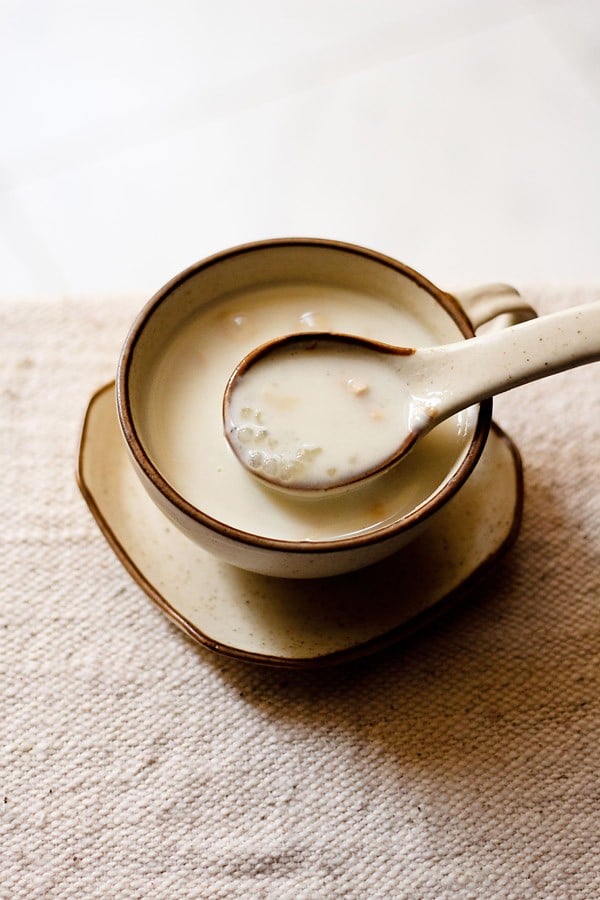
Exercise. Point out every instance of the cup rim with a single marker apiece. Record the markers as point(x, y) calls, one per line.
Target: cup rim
point(336, 545)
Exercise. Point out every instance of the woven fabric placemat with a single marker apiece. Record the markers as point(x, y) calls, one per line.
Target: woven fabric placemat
point(135, 764)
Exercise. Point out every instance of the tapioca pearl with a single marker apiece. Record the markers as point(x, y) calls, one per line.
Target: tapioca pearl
point(314, 321)
point(357, 387)
point(238, 326)
point(271, 466)
point(256, 459)
point(244, 434)
point(246, 412)
point(308, 452)
point(290, 470)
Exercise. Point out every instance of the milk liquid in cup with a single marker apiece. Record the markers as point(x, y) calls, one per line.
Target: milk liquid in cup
point(181, 415)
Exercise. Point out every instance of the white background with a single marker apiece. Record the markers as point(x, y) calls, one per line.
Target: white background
point(137, 136)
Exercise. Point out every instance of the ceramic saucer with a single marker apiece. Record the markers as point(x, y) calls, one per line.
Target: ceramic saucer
point(298, 623)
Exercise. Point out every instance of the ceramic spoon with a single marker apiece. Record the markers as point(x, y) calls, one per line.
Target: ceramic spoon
point(318, 412)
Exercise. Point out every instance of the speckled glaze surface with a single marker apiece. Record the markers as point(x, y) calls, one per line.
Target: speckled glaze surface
point(298, 623)
point(323, 262)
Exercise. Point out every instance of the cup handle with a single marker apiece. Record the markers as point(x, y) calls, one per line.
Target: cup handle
point(500, 305)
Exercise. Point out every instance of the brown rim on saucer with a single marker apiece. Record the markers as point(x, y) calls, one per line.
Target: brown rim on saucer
point(453, 599)
point(183, 506)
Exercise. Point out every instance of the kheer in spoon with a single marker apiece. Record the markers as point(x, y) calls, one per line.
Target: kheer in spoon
point(323, 412)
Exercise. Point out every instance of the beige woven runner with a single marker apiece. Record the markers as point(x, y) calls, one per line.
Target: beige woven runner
point(133, 764)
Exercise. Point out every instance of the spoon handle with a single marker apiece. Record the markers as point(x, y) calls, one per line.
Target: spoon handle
point(490, 364)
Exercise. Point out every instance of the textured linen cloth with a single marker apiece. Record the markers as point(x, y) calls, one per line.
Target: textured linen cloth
point(135, 764)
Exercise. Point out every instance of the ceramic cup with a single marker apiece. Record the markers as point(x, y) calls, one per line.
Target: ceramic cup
point(186, 341)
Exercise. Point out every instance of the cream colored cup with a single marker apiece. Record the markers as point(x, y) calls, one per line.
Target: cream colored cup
point(273, 265)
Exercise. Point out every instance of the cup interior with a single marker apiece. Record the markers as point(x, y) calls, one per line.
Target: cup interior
point(187, 340)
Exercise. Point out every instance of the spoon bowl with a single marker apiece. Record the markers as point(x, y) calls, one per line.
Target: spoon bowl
point(323, 412)
point(278, 426)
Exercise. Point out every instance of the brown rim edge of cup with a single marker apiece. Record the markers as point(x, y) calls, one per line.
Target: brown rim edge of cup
point(449, 303)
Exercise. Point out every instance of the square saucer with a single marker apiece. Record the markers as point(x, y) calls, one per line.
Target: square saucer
point(298, 623)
